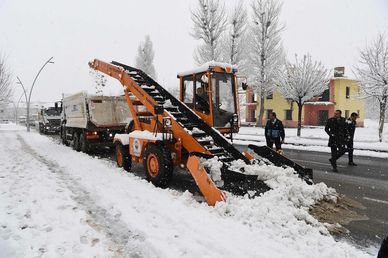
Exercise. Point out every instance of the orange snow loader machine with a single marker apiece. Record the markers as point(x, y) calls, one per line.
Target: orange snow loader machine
point(166, 131)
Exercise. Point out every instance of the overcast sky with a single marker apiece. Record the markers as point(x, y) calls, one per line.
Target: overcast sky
point(75, 32)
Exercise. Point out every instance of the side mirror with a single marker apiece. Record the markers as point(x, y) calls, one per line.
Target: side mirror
point(56, 106)
point(244, 86)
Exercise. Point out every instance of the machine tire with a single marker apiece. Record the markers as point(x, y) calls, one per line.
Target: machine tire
point(158, 165)
point(123, 159)
point(83, 143)
point(76, 146)
point(40, 129)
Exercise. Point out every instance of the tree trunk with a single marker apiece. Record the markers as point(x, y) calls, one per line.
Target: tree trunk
point(383, 107)
point(259, 121)
point(300, 106)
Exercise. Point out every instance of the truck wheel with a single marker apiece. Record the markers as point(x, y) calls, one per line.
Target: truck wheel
point(76, 142)
point(63, 136)
point(123, 159)
point(83, 143)
point(158, 165)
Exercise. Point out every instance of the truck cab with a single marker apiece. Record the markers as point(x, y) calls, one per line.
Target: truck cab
point(49, 119)
point(211, 91)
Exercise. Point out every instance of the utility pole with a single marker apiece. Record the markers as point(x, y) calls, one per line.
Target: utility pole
point(49, 61)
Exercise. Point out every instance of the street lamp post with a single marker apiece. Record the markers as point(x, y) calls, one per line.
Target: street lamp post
point(49, 61)
point(16, 107)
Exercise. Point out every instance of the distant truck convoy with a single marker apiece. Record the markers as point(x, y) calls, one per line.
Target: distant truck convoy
point(89, 122)
point(49, 119)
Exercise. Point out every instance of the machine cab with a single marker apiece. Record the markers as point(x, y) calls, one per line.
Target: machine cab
point(211, 91)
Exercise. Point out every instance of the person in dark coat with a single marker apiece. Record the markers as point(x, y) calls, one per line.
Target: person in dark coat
point(336, 129)
point(351, 124)
point(274, 132)
point(383, 252)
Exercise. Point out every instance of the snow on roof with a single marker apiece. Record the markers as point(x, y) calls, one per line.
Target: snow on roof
point(207, 66)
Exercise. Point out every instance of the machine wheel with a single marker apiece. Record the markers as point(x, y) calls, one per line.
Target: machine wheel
point(40, 129)
point(158, 165)
point(76, 142)
point(123, 159)
point(63, 136)
point(83, 143)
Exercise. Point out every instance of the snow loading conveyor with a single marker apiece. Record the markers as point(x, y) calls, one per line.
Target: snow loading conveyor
point(167, 132)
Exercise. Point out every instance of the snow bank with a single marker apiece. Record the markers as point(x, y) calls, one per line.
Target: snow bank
point(138, 219)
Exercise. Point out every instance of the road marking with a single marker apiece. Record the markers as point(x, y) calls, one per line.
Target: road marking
point(315, 162)
point(374, 200)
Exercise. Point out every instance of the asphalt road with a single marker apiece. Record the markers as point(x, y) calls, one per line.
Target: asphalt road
point(366, 183)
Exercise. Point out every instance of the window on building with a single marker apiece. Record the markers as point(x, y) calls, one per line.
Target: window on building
point(270, 96)
point(288, 114)
point(347, 92)
point(325, 95)
point(269, 111)
point(347, 113)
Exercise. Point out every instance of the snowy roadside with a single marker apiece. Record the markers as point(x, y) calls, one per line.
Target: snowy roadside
point(56, 202)
point(315, 139)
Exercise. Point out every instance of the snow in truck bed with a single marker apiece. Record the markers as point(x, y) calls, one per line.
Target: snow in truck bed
point(55, 202)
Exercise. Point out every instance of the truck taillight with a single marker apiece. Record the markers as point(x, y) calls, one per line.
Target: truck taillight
point(92, 135)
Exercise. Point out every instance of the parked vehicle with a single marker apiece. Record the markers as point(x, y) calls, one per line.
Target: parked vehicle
point(89, 121)
point(49, 119)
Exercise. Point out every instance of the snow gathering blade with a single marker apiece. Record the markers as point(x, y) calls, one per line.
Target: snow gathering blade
point(280, 160)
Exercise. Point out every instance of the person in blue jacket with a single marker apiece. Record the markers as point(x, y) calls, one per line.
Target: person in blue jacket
point(274, 132)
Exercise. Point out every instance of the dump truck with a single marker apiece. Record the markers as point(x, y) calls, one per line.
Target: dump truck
point(91, 122)
point(188, 131)
point(49, 119)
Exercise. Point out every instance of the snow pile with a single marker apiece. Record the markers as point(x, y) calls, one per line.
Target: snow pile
point(214, 166)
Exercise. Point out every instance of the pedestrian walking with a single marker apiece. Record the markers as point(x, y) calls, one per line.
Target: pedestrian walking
point(351, 124)
point(336, 129)
point(274, 132)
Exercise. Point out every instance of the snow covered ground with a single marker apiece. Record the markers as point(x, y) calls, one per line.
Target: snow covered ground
point(366, 141)
point(55, 202)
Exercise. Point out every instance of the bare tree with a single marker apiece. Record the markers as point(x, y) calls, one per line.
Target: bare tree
point(373, 75)
point(145, 57)
point(234, 39)
point(5, 81)
point(209, 23)
point(301, 81)
point(266, 51)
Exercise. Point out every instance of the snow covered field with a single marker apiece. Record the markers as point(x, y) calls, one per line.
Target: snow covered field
point(366, 142)
point(55, 202)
